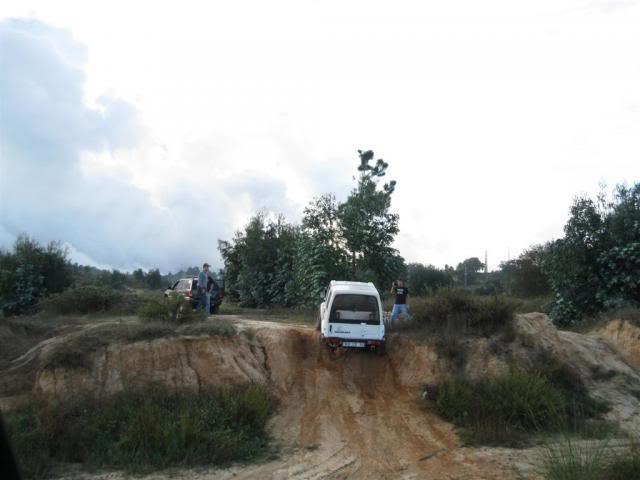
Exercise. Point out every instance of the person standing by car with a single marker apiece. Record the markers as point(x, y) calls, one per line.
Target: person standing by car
point(204, 300)
point(400, 306)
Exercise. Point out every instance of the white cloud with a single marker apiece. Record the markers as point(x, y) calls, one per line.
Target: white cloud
point(492, 115)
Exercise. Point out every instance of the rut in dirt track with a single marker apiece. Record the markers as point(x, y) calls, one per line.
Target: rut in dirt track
point(346, 415)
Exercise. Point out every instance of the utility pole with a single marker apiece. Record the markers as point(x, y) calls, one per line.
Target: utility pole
point(486, 264)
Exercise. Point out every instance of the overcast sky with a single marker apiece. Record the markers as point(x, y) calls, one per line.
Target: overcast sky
point(140, 133)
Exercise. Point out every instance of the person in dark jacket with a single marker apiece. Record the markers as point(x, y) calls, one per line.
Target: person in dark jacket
point(400, 305)
point(204, 297)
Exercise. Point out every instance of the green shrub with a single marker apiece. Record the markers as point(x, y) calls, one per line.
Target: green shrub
point(500, 410)
point(573, 459)
point(625, 464)
point(535, 304)
point(461, 312)
point(154, 310)
point(216, 328)
point(90, 299)
point(150, 428)
point(30, 272)
point(174, 309)
point(595, 266)
point(505, 409)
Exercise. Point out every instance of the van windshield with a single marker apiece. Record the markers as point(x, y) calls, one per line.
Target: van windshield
point(351, 308)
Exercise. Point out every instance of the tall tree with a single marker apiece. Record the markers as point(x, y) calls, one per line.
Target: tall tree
point(596, 265)
point(366, 224)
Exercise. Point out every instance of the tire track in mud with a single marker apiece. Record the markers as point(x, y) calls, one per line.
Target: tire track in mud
point(347, 415)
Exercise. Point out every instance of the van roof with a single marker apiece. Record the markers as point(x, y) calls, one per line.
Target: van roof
point(340, 285)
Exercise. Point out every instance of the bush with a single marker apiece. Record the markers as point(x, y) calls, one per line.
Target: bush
point(596, 265)
point(140, 430)
point(30, 272)
point(505, 409)
point(501, 410)
point(90, 299)
point(174, 309)
point(625, 464)
point(575, 460)
point(461, 312)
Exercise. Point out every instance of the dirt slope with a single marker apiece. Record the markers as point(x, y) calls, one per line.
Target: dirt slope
point(349, 416)
point(624, 336)
point(354, 414)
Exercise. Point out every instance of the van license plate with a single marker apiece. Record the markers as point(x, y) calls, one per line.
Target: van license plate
point(353, 344)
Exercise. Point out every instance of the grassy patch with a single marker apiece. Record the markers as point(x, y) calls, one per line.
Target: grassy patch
point(212, 328)
point(530, 305)
point(75, 350)
point(625, 463)
point(572, 459)
point(508, 409)
point(307, 316)
point(91, 299)
point(174, 309)
point(142, 430)
point(461, 312)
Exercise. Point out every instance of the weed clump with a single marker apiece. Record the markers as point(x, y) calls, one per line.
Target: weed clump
point(140, 430)
point(90, 299)
point(507, 409)
point(173, 310)
point(462, 312)
point(572, 459)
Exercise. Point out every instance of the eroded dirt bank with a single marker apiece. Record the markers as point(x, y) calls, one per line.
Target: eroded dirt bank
point(354, 414)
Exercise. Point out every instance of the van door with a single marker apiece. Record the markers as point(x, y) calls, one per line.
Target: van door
point(355, 317)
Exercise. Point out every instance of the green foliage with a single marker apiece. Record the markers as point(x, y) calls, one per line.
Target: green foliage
point(503, 410)
point(424, 279)
point(276, 263)
point(154, 279)
point(495, 410)
point(461, 312)
point(140, 430)
point(524, 276)
point(467, 271)
point(573, 459)
point(596, 266)
point(366, 225)
point(30, 272)
point(259, 263)
point(90, 299)
point(625, 463)
point(174, 309)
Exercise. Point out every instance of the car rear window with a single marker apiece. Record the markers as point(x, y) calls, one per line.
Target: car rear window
point(354, 308)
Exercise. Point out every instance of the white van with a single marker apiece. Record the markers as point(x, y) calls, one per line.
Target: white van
point(351, 316)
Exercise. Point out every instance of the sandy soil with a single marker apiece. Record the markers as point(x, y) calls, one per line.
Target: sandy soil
point(355, 414)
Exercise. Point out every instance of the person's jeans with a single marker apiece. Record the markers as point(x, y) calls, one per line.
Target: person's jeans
point(399, 309)
point(205, 303)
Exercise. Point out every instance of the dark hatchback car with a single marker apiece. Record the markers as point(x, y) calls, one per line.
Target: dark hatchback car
point(188, 288)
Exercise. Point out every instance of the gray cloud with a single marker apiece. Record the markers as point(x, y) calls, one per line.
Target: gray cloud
point(45, 126)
